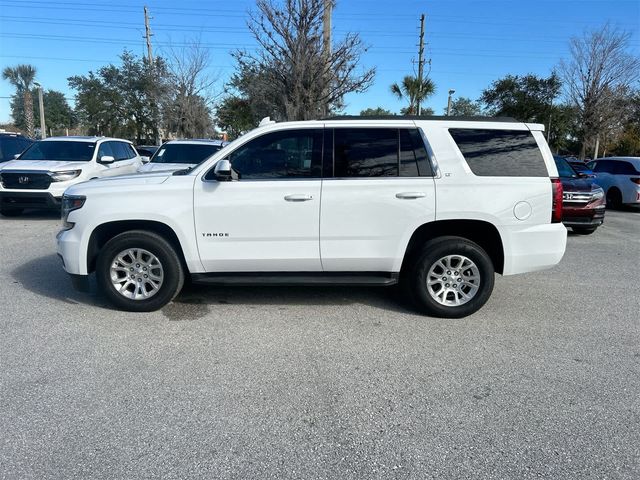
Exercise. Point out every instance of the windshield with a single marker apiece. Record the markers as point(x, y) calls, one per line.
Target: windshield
point(60, 151)
point(564, 169)
point(184, 153)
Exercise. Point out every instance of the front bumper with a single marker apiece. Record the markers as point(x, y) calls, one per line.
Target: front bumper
point(583, 217)
point(40, 200)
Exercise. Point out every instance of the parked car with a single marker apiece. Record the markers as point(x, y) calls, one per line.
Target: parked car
point(580, 167)
point(619, 177)
point(146, 151)
point(181, 154)
point(437, 205)
point(41, 174)
point(12, 144)
point(583, 202)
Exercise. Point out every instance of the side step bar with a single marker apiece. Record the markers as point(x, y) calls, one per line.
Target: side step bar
point(297, 278)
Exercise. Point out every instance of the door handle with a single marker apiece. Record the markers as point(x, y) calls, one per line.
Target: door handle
point(298, 197)
point(410, 195)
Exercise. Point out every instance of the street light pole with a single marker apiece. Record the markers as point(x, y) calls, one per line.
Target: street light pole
point(451, 92)
point(43, 127)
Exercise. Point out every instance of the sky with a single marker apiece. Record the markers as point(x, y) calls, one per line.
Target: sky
point(468, 44)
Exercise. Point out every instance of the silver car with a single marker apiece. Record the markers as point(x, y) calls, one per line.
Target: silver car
point(619, 177)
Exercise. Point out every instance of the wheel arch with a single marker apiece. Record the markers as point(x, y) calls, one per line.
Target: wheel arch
point(106, 231)
point(484, 233)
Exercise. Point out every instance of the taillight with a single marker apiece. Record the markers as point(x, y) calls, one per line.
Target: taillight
point(635, 180)
point(556, 205)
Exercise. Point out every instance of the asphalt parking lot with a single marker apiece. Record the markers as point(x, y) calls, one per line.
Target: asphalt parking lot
point(543, 382)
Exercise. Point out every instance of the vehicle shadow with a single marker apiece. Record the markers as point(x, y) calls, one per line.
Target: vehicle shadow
point(45, 276)
point(36, 215)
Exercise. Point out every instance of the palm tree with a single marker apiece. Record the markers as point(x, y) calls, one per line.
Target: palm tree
point(415, 91)
point(22, 77)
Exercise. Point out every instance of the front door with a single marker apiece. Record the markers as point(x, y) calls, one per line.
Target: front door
point(268, 219)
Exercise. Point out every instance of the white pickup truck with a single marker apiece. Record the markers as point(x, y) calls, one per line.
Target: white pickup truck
point(438, 205)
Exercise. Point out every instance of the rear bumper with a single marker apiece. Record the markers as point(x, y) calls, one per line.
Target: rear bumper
point(40, 200)
point(533, 248)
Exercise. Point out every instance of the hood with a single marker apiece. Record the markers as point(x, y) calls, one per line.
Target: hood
point(165, 167)
point(42, 165)
point(577, 184)
point(118, 183)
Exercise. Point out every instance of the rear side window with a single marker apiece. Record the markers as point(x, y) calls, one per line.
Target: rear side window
point(500, 153)
point(379, 152)
point(625, 168)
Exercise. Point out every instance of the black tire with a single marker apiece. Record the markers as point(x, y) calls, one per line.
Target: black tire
point(584, 230)
point(164, 252)
point(414, 279)
point(11, 212)
point(614, 198)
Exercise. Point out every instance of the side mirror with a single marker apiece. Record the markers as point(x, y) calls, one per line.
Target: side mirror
point(107, 159)
point(145, 159)
point(16, 156)
point(222, 171)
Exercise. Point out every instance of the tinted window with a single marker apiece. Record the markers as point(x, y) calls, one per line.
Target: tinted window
point(60, 150)
point(284, 154)
point(564, 169)
point(9, 146)
point(500, 153)
point(414, 160)
point(625, 168)
point(184, 153)
point(366, 152)
point(606, 167)
point(106, 150)
point(120, 150)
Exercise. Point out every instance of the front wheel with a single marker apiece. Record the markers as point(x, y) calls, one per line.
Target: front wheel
point(450, 277)
point(139, 271)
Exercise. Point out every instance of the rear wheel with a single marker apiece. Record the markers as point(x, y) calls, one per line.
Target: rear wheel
point(139, 271)
point(614, 198)
point(11, 212)
point(450, 277)
point(584, 230)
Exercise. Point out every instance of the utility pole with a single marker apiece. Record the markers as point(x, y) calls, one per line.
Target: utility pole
point(420, 64)
point(326, 50)
point(43, 128)
point(148, 35)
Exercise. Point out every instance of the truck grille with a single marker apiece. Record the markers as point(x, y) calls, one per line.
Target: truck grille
point(25, 180)
point(576, 199)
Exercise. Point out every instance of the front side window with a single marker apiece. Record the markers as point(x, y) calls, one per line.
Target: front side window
point(500, 153)
point(60, 150)
point(604, 167)
point(283, 154)
point(564, 168)
point(121, 150)
point(106, 150)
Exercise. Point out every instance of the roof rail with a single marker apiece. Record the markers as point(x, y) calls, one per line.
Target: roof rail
point(423, 117)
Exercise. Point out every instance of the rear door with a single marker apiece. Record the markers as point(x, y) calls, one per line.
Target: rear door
point(378, 188)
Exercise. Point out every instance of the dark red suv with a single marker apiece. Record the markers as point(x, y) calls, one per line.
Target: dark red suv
point(583, 203)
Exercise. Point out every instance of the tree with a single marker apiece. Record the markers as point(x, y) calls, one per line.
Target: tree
point(413, 90)
point(235, 116)
point(526, 98)
point(123, 100)
point(599, 70)
point(57, 112)
point(188, 111)
point(464, 107)
point(378, 111)
point(22, 77)
point(291, 67)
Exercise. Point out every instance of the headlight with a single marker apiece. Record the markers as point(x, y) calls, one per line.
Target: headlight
point(597, 194)
point(69, 204)
point(64, 176)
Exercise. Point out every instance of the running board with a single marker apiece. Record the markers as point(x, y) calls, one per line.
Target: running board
point(297, 278)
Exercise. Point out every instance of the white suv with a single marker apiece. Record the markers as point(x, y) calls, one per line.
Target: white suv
point(438, 205)
point(180, 154)
point(40, 175)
